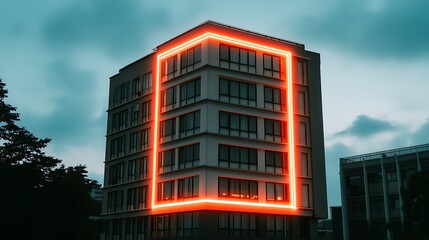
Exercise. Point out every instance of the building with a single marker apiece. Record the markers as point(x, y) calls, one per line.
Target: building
point(371, 190)
point(217, 133)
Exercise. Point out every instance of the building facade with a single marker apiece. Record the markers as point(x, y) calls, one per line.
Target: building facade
point(216, 134)
point(371, 190)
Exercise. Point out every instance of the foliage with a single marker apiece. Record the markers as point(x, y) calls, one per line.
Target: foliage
point(40, 197)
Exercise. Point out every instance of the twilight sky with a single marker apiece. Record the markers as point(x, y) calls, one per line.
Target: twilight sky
point(56, 58)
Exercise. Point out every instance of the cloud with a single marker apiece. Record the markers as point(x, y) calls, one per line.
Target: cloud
point(118, 27)
point(378, 28)
point(365, 126)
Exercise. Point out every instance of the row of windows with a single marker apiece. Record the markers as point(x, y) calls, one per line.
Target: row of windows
point(189, 124)
point(139, 113)
point(187, 188)
point(136, 169)
point(139, 87)
point(138, 140)
point(190, 92)
point(189, 60)
point(136, 198)
point(176, 225)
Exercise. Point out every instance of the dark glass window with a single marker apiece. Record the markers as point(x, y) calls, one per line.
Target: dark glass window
point(168, 99)
point(190, 124)
point(166, 190)
point(275, 99)
point(120, 120)
point(168, 130)
point(277, 192)
point(238, 188)
point(162, 226)
point(237, 58)
point(136, 198)
point(238, 157)
point(188, 224)
point(237, 92)
point(116, 173)
point(190, 92)
point(144, 135)
point(275, 130)
point(117, 147)
point(136, 88)
point(166, 161)
point(190, 59)
point(237, 125)
point(235, 224)
point(147, 82)
point(145, 111)
point(189, 156)
point(275, 162)
point(188, 187)
point(169, 67)
point(273, 67)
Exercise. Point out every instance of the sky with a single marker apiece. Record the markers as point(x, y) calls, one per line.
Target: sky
point(56, 58)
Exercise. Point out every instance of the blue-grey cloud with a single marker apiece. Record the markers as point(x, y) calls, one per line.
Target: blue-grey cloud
point(379, 28)
point(421, 136)
point(365, 126)
point(119, 27)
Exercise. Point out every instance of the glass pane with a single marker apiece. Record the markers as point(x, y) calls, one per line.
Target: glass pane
point(267, 62)
point(243, 56)
point(224, 53)
point(234, 121)
point(252, 58)
point(223, 87)
point(234, 55)
point(244, 123)
point(243, 90)
point(252, 92)
point(234, 91)
point(224, 120)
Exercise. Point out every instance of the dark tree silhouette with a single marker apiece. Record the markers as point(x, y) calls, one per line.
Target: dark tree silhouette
point(39, 197)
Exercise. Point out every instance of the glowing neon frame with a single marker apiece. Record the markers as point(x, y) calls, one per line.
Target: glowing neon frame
point(290, 121)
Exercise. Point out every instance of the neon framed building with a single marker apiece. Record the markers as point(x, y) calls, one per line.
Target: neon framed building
point(217, 133)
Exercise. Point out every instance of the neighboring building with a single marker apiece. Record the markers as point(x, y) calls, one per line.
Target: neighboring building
point(337, 223)
point(217, 134)
point(371, 190)
point(97, 194)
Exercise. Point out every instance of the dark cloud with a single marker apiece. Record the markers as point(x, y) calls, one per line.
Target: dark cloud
point(116, 26)
point(365, 126)
point(392, 29)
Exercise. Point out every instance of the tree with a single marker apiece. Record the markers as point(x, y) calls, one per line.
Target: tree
point(416, 206)
point(40, 197)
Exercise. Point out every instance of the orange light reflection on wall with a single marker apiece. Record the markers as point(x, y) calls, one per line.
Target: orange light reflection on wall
point(290, 120)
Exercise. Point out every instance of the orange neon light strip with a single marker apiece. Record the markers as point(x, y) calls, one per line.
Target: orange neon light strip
point(290, 120)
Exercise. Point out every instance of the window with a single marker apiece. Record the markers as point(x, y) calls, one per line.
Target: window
point(237, 58)
point(302, 72)
point(169, 68)
point(135, 114)
point(147, 83)
point(143, 168)
point(136, 88)
point(190, 124)
point(277, 192)
point(168, 130)
point(305, 165)
point(133, 142)
point(238, 188)
point(166, 190)
point(145, 111)
point(303, 140)
point(190, 58)
point(144, 139)
point(166, 161)
point(132, 170)
point(302, 103)
point(162, 226)
point(117, 147)
point(114, 229)
point(168, 99)
point(135, 228)
point(189, 156)
point(116, 173)
point(237, 92)
point(275, 162)
point(190, 92)
point(305, 195)
point(272, 66)
point(124, 93)
point(237, 125)
point(115, 201)
point(188, 187)
point(136, 198)
point(238, 157)
point(279, 226)
point(119, 120)
point(188, 224)
point(235, 224)
point(275, 99)
point(355, 186)
point(275, 130)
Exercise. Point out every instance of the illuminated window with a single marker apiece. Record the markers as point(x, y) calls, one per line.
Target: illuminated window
point(237, 92)
point(119, 120)
point(116, 173)
point(136, 88)
point(275, 162)
point(275, 130)
point(136, 198)
point(237, 58)
point(188, 187)
point(189, 124)
point(166, 190)
point(115, 201)
point(279, 226)
point(132, 170)
point(133, 142)
point(237, 125)
point(162, 226)
point(189, 156)
point(145, 111)
point(190, 92)
point(272, 66)
point(117, 147)
point(238, 157)
point(135, 228)
point(238, 188)
point(188, 224)
point(135, 114)
point(235, 224)
point(143, 168)
point(302, 72)
point(277, 192)
point(274, 99)
point(168, 99)
point(147, 83)
point(169, 68)
point(144, 135)
point(168, 130)
point(190, 58)
point(166, 161)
